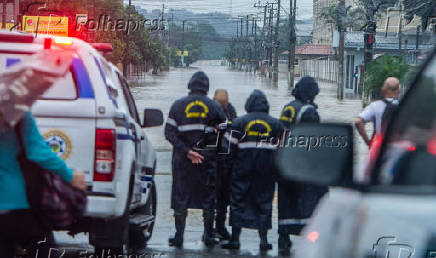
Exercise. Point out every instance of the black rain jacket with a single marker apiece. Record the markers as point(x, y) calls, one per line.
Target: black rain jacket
point(254, 141)
point(189, 118)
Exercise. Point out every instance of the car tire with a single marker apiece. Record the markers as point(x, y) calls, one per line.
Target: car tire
point(122, 249)
point(138, 236)
point(151, 209)
point(120, 225)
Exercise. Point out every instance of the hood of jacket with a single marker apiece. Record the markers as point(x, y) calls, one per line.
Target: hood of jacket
point(257, 102)
point(306, 89)
point(199, 83)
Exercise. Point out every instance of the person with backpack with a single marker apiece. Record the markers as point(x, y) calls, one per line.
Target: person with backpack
point(19, 224)
point(379, 112)
point(296, 201)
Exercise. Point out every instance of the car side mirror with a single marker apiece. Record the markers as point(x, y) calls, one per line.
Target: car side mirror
point(319, 154)
point(152, 118)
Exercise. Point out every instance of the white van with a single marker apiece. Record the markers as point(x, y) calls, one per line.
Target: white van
point(89, 118)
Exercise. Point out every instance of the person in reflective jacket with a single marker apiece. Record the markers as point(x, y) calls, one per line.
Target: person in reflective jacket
point(254, 140)
point(193, 166)
point(296, 201)
point(224, 169)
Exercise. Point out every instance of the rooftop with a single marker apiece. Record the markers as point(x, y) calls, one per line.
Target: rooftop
point(315, 49)
point(355, 40)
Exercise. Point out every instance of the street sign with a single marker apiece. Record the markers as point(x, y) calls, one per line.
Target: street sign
point(52, 25)
point(185, 53)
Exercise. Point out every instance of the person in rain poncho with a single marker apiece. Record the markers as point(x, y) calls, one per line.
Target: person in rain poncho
point(254, 140)
point(194, 166)
point(296, 201)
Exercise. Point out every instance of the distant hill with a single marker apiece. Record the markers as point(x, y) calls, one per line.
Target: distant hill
point(225, 27)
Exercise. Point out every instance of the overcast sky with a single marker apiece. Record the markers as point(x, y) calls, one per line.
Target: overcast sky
point(239, 7)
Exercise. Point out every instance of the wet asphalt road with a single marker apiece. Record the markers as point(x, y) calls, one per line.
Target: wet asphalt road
point(161, 91)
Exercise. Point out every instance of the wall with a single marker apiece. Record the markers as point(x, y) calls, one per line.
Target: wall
point(320, 69)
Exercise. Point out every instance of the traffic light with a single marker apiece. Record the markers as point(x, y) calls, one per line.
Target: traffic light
point(369, 40)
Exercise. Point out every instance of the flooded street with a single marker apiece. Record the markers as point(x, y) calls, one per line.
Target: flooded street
point(160, 92)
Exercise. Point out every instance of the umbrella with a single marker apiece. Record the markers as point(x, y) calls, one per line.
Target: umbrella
point(23, 83)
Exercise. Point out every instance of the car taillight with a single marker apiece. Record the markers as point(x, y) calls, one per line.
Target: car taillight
point(104, 165)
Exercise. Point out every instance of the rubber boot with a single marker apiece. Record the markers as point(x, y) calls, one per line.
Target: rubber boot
point(234, 240)
point(220, 228)
point(285, 245)
point(264, 245)
point(208, 236)
point(180, 222)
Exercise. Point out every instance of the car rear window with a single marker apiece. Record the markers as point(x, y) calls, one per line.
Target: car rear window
point(64, 89)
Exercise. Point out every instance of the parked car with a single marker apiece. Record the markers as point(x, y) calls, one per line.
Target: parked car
point(391, 216)
point(89, 118)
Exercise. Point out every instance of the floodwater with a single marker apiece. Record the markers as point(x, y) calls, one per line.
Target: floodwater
point(160, 91)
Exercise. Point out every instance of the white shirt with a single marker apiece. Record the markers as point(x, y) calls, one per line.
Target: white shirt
point(374, 113)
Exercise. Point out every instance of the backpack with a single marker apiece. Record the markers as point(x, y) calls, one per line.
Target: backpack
point(56, 204)
point(390, 109)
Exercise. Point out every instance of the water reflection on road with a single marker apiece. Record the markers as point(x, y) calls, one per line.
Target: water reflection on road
point(162, 90)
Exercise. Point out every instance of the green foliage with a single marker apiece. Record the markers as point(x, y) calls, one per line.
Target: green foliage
point(191, 40)
point(382, 68)
point(142, 48)
point(349, 18)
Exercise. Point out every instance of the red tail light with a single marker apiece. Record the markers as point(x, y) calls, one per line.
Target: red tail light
point(104, 165)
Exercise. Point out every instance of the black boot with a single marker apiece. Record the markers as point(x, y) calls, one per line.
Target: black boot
point(234, 240)
point(220, 228)
point(264, 245)
point(285, 245)
point(180, 221)
point(208, 236)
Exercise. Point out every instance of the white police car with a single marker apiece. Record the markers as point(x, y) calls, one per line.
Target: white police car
point(89, 118)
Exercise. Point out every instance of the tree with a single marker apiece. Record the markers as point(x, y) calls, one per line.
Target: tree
point(422, 8)
point(342, 18)
point(383, 67)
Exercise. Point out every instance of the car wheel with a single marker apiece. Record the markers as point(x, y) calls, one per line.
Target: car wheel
point(151, 208)
point(139, 236)
point(122, 249)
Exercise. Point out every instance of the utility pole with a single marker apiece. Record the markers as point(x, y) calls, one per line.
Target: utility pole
point(292, 39)
point(255, 48)
point(270, 43)
point(341, 56)
point(263, 32)
point(162, 31)
point(369, 40)
point(276, 45)
point(126, 60)
point(247, 46)
point(400, 27)
point(182, 56)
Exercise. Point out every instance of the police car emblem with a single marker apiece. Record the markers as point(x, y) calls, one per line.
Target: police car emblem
point(59, 142)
